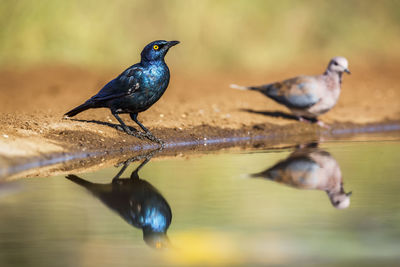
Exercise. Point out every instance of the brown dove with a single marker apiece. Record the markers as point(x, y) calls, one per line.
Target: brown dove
point(307, 96)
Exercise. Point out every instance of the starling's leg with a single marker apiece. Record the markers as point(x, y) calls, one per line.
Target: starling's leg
point(147, 158)
point(134, 118)
point(123, 125)
point(148, 134)
point(115, 179)
point(126, 128)
point(135, 174)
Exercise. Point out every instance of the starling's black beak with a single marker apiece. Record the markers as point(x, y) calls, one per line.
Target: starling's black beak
point(347, 71)
point(172, 43)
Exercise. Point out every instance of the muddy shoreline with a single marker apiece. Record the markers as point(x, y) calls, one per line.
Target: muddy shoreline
point(199, 112)
point(61, 163)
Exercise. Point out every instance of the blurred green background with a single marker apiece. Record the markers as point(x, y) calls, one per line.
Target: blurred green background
point(214, 34)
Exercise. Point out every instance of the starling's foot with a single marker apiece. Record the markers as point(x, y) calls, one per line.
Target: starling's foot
point(152, 138)
point(161, 142)
point(125, 130)
point(137, 135)
point(133, 159)
point(147, 156)
point(130, 132)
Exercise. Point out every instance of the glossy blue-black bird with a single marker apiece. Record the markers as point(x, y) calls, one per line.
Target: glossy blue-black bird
point(138, 202)
point(136, 89)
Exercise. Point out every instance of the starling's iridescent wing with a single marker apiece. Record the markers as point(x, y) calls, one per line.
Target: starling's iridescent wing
point(125, 84)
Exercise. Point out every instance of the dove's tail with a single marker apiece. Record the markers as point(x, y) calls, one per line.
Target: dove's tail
point(268, 174)
point(251, 175)
point(239, 87)
point(254, 175)
point(262, 88)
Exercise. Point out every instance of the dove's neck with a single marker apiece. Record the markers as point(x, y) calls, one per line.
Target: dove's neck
point(337, 190)
point(334, 76)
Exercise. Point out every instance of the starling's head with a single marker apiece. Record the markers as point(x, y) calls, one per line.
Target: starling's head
point(339, 65)
point(157, 50)
point(157, 240)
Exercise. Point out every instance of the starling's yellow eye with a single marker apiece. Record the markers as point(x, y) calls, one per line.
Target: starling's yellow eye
point(155, 47)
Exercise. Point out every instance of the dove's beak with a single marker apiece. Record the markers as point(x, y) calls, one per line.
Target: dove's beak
point(347, 71)
point(349, 194)
point(172, 43)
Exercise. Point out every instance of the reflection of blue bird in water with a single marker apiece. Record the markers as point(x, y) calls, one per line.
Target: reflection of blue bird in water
point(137, 202)
point(310, 168)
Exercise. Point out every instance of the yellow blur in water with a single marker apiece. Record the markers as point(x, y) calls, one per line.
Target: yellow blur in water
point(212, 248)
point(205, 248)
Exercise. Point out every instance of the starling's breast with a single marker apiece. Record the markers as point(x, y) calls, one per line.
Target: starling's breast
point(153, 83)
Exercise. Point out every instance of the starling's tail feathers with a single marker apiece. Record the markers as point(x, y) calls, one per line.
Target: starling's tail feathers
point(78, 109)
point(79, 180)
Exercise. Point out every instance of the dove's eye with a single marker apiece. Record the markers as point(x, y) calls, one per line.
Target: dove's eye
point(335, 63)
point(155, 47)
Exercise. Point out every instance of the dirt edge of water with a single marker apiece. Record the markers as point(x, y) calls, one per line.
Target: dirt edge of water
point(80, 156)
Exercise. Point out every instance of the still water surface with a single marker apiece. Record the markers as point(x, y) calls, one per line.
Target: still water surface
point(336, 203)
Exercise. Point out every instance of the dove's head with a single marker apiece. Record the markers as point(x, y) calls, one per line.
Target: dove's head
point(338, 65)
point(340, 200)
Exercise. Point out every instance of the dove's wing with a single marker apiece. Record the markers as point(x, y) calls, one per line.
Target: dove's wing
point(300, 92)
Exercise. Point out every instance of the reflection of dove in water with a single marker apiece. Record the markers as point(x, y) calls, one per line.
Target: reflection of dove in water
point(137, 202)
point(307, 96)
point(310, 168)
